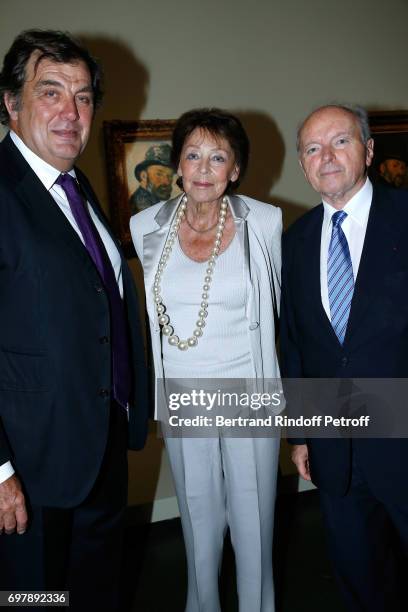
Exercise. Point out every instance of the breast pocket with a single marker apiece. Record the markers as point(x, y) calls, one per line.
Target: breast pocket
point(397, 278)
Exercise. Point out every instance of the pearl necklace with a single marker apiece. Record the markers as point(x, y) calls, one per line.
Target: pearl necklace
point(163, 318)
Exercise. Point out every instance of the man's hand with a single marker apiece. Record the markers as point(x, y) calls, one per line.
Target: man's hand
point(13, 513)
point(300, 458)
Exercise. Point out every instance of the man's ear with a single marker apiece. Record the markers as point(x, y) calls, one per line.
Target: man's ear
point(369, 151)
point(11, 103)
point(143, 178)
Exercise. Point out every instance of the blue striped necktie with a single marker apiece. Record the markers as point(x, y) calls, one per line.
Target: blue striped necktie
point(340, 279)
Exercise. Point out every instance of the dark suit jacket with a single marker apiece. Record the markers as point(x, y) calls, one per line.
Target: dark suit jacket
point(55, 363)
point(376, 342)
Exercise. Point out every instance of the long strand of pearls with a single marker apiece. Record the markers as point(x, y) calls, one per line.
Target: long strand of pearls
point(163, 317)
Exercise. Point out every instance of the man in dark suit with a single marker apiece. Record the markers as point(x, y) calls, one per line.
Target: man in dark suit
point(345, 315)
point(72, 372)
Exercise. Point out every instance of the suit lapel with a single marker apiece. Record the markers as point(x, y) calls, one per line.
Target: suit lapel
point(311, 266)
point(153, 244)
point(35, 197)
point(91, 198)
point(48, 215)
point(240, 213)
point(154, 241)
point(382, 235)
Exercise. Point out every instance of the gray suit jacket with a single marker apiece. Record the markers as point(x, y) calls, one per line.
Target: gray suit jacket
point(259, 228)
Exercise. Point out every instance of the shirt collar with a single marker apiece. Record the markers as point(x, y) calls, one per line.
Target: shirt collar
point(358, 207)
point(45, 172)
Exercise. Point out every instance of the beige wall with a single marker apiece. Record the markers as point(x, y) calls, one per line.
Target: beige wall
point(270, 61)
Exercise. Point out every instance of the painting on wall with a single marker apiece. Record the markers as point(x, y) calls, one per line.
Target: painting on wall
point(139, 170)
point(390, 132)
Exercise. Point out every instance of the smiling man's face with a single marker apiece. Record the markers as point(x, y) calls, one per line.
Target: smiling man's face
point(333, 156)
point(53, 114)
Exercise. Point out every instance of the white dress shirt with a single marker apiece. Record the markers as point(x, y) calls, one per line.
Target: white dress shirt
point(227, 326)
point(48, 175)
point(354, 227)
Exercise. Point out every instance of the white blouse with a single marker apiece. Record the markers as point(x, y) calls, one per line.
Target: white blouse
point(223, 351)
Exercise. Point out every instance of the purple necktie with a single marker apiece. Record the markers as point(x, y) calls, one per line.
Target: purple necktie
point(97, 251)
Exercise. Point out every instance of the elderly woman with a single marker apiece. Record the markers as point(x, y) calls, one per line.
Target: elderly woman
point(211, 264)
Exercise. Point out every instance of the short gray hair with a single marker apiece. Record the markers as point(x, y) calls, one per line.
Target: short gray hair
point(358, 112)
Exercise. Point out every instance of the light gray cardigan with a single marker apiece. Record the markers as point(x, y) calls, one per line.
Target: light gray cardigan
point(259, 229)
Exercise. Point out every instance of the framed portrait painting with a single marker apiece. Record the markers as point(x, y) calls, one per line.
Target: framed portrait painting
point(390, 132)
point(139, 170)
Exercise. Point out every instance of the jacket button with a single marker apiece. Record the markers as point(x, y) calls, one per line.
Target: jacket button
point(98, 287)
point(344, 361)
point(104, 339)
point(254, 325)
point(104, 393)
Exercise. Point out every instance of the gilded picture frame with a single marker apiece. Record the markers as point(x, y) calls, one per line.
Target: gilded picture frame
point(139, 171)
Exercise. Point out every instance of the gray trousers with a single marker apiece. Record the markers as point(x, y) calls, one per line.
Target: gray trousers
point(224, 482)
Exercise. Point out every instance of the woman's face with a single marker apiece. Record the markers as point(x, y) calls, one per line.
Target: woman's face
point(207, 164)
